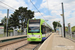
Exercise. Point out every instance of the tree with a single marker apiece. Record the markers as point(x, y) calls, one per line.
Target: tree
point(55, 25)
point(73, 29)
point(22, 14)
point(4, 22)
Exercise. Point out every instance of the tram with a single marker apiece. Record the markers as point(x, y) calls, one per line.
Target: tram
point(37, 30)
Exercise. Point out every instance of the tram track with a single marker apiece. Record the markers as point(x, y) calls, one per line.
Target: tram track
point(25, 45)
point(29, 46)
point(10, 46)
point(11, 42)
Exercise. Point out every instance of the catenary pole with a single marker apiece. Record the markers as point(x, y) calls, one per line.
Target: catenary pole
point(63, 19)
point(7, 21)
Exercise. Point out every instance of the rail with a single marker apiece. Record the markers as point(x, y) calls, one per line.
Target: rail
point(33, 48)
point(11, 42)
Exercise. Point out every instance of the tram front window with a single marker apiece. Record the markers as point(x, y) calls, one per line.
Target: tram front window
point(34, 28)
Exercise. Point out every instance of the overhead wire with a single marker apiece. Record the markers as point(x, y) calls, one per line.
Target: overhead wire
point(48, 6)
point(14, 8)
point(2, 6)
point(37, 9)
point(7, 5)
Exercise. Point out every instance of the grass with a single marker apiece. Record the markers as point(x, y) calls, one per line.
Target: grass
point(1, 35)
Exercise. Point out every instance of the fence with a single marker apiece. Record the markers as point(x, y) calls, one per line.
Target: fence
point(70, 35)
point(14, 33)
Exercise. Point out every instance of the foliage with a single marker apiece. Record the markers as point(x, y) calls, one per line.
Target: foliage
point(66, 29)
point(10, 30)
point(19, 31)
point(52, 30)
point(22, 14)
point(73, 29)
point(4, 22)
point(55, 25)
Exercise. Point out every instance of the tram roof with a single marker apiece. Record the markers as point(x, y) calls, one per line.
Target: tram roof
point(43, 22)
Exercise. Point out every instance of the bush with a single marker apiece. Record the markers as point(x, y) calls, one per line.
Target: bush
point(19, 31)
point(73, 29)
point(10, 31)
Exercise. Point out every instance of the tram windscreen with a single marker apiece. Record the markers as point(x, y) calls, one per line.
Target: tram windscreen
point(34, 26)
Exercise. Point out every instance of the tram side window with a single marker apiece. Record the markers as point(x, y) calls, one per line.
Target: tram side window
point(48, 30)
point(42, 29)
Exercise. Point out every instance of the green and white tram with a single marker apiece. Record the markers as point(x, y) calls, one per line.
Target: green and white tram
point(37, 30)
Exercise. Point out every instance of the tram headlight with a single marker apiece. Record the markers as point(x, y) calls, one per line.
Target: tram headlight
point(28, 36)
point(39, 36)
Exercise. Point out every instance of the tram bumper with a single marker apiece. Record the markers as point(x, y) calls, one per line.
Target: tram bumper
point(34, 39)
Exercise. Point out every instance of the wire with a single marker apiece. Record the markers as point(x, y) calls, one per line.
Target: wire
point(7, 5)
point(3, 6)
point(36, 8)
point(48, 6)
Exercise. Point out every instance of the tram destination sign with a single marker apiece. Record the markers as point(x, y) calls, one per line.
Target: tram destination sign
point(1, 29)
point(34, 21)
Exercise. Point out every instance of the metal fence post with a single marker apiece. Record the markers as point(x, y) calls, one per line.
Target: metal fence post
point(69, 30)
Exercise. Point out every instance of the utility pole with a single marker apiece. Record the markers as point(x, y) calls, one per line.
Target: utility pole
point(63, 19)
point(7, 22)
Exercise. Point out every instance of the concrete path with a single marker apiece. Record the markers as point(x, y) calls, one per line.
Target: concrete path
point(56, 42)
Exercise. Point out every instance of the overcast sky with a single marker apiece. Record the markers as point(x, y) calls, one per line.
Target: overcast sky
point(50, 9)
